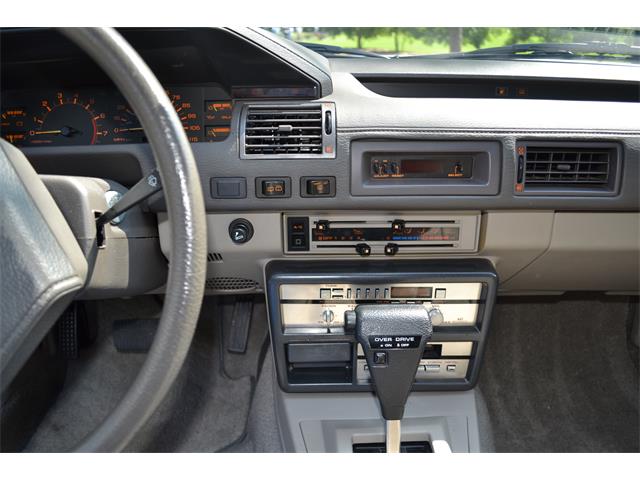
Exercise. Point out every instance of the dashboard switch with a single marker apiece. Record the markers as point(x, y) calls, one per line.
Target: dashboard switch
point(298, 234)
point(318, 187)
point(273, 187)
point(234, 187)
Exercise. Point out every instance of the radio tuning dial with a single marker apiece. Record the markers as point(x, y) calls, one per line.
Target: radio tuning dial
point(436, 316)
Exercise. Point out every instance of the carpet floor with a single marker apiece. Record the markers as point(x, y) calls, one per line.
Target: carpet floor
point(560, 376)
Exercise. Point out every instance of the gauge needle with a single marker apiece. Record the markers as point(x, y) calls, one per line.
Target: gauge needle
point(65, 131)
point(134, 129)
point(48, 132)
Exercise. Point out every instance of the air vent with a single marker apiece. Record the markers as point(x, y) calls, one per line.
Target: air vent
point(231, 284)
point(288, 131)
point(214, 257)
point(567, 168)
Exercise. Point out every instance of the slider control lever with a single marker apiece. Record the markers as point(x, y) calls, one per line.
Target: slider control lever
point(393, 338)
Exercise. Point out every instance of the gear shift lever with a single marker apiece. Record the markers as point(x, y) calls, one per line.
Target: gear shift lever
point(393, 338)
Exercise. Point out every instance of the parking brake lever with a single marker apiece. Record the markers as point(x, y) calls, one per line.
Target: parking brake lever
point(393, 338)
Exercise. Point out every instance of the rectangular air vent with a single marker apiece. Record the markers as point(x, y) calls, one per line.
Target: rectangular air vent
point(288, 131)
point(567, 168)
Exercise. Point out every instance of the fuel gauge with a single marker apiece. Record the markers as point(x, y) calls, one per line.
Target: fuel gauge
point(217, 116)
point(13, 125)
point(217, 112)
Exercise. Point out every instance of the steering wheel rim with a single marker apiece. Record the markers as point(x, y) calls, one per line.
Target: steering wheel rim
point(186, 213)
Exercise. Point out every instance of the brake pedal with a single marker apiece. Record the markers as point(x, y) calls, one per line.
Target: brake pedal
point(134, 335)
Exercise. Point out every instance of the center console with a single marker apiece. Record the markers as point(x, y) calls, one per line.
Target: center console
point(315, 353)
point(325, 402)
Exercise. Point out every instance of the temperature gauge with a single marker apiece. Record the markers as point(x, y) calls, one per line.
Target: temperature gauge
point(216, 134)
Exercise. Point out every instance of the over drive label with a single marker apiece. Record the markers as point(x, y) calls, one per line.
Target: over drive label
point(394, 341)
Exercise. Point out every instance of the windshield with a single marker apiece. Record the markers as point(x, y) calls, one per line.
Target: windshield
point(519, 43)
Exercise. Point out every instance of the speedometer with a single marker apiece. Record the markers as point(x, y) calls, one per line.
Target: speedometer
point(67, 120)
point(188, 115)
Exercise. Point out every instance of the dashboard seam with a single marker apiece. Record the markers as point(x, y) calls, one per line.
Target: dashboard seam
point(487, 131)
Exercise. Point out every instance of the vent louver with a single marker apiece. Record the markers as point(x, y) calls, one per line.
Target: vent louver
point(289, 131)
point(214, 257)
point(231, 283)
point(567, 168)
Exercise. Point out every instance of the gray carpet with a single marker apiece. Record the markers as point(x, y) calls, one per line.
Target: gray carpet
point(560, 376)
point(205, 411)
point(263, 434)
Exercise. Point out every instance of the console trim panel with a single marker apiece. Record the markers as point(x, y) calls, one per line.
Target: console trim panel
point(343, 376)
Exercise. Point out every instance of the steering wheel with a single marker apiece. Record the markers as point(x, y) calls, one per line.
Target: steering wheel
point(42, 265)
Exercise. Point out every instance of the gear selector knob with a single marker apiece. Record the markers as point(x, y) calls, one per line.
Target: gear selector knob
point(398, 333)
point(393, 338)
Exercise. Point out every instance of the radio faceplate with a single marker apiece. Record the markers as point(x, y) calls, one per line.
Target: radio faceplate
point(319, 308)
point(307, 301)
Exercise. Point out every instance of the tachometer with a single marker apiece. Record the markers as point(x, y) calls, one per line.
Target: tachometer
point(67, 120)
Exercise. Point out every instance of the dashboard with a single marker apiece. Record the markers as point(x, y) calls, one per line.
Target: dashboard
point(93, 116)
point(316, 159)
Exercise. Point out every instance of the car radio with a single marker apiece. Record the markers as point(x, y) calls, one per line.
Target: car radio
point(382, 234)
point(313, 349)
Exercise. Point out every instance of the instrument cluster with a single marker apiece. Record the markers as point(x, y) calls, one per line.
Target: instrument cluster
point(101, 116)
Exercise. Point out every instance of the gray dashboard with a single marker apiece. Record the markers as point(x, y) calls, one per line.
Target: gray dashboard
point(364, 115)
point(519, 228)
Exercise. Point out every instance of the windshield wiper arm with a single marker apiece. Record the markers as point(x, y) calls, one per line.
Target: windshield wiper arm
point(335, 51)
